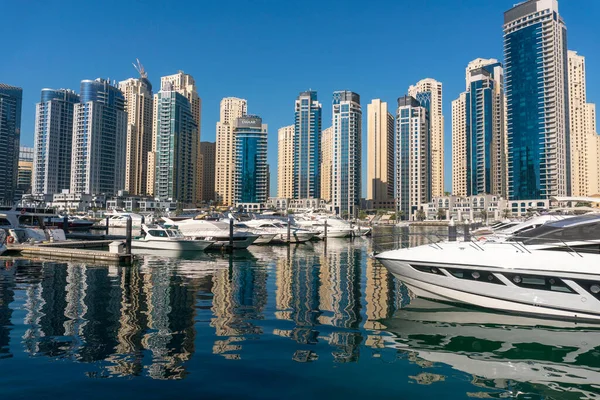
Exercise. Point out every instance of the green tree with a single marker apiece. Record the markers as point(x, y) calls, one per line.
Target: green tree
point(362, 214)
point(483, 214)
point(441, 214)
point(421, 215)
point(506, 213)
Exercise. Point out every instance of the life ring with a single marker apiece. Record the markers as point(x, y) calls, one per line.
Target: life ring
point(23, 211)
point(10, 240)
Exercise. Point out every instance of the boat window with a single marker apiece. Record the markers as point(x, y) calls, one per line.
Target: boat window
point(568, 230)
point(157, 233)
point(590, 286)
point(475, 275)
point(539, 282)
point(4, 222)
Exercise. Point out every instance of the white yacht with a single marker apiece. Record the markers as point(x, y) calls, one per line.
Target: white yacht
point(560, 356)
point(517, 228)
point(215, 231)
point(158, 237)
point(27, 225)
point(336, 227)
point(550, 271)
point(119, 220)
point(279, 230)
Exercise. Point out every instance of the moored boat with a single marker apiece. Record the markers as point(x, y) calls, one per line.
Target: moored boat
point(158, 237)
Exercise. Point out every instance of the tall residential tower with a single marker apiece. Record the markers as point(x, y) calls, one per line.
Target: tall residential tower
point(307, 146)
point(285, 162)
point(380, 152)
point(11, 98)
point(250, 178)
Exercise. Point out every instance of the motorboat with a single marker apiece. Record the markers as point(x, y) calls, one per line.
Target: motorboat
point(514, 228)
point(215, 231)
point(2, 241)
point(550, 271)
point(279, 231)
point(119, 220)
point(74, 222)
point(157, 237)
point(534, 355)
point(336, 227)
point(28, 225)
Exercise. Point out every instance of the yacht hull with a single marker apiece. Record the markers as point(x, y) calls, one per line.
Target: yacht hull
point(295, 237)
point(264, 238)
point(178, 245)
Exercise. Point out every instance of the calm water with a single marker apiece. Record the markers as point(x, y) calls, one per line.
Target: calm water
point(268, 323)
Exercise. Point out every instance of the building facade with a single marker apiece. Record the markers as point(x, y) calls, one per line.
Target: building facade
point(307, 146)
point(231, 109)
point(380, 152)
point(347, 151)
point(11, 98)
point(53, 141)
point(583, 136)
point(139, 107)
point(251, 181)
point(208, 152)
point(25, 172)
point(285, 162)
point(99, 139)
point(428, 92)
point(175, 168)
point(478, 132)
point(535, 53)
point(326, 162)
point(413, 157)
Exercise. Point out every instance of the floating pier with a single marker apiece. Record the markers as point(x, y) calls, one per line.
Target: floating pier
point(50, 250)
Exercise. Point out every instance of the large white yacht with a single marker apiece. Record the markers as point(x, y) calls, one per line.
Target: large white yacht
point(336, 227)
point(278, 229)
point(215, 231)
point(549, 271)
point(167, 238)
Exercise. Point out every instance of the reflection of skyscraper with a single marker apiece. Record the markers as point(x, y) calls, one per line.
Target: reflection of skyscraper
point(7, 294)
point(379, 294)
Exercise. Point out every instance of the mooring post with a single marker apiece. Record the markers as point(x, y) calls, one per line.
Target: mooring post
point(466, 227)
point(289, 228)
point(128, 237)
point(452, 231)
point(230, 233)
point(65, 224)
point(107, 218)
point(142, 222)
point(325, 231)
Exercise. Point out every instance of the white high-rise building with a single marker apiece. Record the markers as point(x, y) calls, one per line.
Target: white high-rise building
point(285, 162)
point(232, 108)
point(583, 137)
point(99, 139)
point(326, 162)
point(138, 104)
point(428, 92)
point(459, 146)
point(535, 56)
point(347, 148)
point(380, 152)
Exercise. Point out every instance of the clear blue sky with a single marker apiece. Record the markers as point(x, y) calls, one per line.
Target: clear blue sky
point(267, 51)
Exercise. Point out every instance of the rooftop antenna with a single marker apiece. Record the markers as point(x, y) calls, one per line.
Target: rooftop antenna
point(140, 68)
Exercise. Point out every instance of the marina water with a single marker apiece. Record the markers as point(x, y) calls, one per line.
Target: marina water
point(321, 320)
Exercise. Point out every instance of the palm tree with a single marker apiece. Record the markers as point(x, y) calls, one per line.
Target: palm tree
point(483, 214)
point(441, 214)
point(506, 213)
point(421, 215)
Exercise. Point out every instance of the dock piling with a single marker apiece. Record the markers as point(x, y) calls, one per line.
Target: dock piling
point(325, 231)
point(128, 237)
point(107, 218)
point(289, 229)
point(231, 233)
point(452, 233)
point(466, 228)
point(65, 224)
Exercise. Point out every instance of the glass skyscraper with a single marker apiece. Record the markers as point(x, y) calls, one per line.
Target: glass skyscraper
point(535, 53)
point(11, 98)
point(307, 146)
point(347, 148)
point(175, 157)
point(99, 139)
point(53, 141)
point(251, 180)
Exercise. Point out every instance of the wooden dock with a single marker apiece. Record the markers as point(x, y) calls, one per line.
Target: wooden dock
point(57, 251)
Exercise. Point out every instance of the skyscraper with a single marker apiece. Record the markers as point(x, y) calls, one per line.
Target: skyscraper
point(413, 156)
point(186, 85)
point(251, 169)
point(208, 152)
point(25, 171)
point(380, 152)
point(99, 139)
point(347, 167)
point(307, 146)
point(175, 132)
point(138, 104)
point(428, 92)
point(285, 162)
point(535, 53)
point(53, 141)
point(11, 98)
point(326, 162)
point(478, 128)
point(583, 136)
point(232, 108)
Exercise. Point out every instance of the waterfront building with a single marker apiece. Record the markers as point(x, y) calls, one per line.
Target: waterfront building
point(285, 162)
point(307, 146)
point(11, 98)
point(250, 179)
point(535, 53)
point(99, 139)
point(380, 152)
point(175, 156)
point(326, 163)
point(347, 148)
point(413, 157)
point(583, 136)
point(231, 109)
point(139, 107)
point(25, 172)
point(428, 92)
point(478, 132)
point(208, 152)
point(53, 141)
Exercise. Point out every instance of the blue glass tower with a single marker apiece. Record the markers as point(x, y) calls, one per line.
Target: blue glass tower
point(307, 146)
point(535, 52)
point(11, 98)
point(250, 160)
point(99, 139)
point(53, 141)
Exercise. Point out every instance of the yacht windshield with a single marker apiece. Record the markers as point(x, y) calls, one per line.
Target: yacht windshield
point(576, 229)
point(174, 234)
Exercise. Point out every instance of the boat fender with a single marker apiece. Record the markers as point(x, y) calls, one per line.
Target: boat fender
point(481, 238)
point(10, 240)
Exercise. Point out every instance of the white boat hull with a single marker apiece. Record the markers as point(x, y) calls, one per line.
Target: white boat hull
point(178, 245)
point(295, 237)
point(264, 238)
